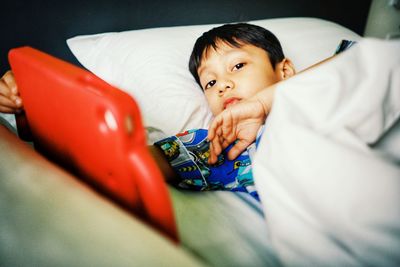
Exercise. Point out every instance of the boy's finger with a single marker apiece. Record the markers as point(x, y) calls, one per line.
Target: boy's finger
point(9, 80)
point(237, 149)
point(7, 103)
point(221, 142)
point(213, 152)
point(216, 146)
point(7, 106)
point(7, 110)
point(215, 124)
point(226, 128)
point(211, 130)
point(212, 158)
point(4, 89)
point(225, 144)
point(18, 102)
point(219, 133)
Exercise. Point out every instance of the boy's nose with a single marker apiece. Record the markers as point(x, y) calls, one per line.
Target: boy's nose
point(225, 85)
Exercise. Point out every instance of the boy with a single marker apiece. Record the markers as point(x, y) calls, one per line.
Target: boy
point(236, 65)
point(232, 64)
point(254, 59)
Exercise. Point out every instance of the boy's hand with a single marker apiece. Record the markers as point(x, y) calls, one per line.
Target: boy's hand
point(10, 102)
point(240, 123)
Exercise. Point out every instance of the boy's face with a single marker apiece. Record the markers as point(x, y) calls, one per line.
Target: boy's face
point(230, 74)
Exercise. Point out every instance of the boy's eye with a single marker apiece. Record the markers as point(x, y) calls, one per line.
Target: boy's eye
point(238, 66)
point(210, 84)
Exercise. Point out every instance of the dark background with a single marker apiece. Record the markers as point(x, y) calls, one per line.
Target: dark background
point(46, 24)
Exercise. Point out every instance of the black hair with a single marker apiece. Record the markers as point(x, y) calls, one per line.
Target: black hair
point(237, 35)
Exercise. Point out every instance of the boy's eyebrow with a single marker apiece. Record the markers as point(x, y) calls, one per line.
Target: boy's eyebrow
point(234, 51)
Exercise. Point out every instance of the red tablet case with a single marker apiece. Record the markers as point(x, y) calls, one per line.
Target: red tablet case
point(94, 130)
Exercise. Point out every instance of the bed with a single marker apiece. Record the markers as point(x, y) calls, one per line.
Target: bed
point(316, 169)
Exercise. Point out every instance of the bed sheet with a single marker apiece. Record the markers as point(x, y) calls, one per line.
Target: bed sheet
point(328, 164)
point(223, 228)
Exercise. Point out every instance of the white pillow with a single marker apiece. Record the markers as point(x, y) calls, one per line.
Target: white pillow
point(152, 65)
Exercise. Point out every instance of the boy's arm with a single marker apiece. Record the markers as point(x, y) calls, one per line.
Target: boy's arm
point(10, 102)
point(239, 123)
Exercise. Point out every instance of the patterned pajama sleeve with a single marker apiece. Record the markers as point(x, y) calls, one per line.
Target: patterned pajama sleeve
point(188, 154)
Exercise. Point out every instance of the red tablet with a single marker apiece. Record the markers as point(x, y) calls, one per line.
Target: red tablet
point(94, 130)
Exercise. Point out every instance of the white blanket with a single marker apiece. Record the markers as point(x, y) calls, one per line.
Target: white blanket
point(328, 165)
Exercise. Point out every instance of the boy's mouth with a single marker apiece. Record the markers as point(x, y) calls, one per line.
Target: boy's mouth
point(231, 101)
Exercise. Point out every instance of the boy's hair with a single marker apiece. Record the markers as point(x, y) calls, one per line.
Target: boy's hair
point(236, 35)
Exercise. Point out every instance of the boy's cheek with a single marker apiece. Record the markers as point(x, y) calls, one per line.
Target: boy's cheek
point(214, 103)
point(215, 110)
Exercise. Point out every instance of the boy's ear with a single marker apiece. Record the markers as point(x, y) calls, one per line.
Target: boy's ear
point(286, 69)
